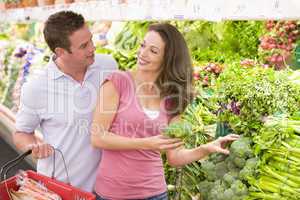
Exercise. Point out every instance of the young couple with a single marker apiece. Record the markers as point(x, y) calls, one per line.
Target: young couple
point(92, 112)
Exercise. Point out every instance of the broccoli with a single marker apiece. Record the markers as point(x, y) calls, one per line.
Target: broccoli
point(245, 173)
point(230, 177)
point(228, 194)
point(217, 157)
point(231, 194)
point(251, 163)
point(249, 169)
point(224, 173)
point(204, 188)
point(221, 169)
point(217, 191)
point(239, 162)
point(230, 165)
point(209, 170)
point(239, 188)
point(241, 148)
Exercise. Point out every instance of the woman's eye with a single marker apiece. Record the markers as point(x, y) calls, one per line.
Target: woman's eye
point(142, 45)
point(153, 51)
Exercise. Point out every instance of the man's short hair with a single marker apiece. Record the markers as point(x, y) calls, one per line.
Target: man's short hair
point(59, 27)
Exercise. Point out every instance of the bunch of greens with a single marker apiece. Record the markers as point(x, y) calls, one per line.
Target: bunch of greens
point(247, 95)
point(221, 42)
point(278, 146)
point(197, 125)
point(180, 130)
point(241, 38)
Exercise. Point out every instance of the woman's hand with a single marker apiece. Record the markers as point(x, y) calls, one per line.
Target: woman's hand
point(219, 145)
point(162, 143)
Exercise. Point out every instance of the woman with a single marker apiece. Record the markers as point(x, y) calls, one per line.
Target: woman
point(133, 109)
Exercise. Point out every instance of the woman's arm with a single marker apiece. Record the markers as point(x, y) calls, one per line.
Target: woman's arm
point(181, 156)
point(104, 113)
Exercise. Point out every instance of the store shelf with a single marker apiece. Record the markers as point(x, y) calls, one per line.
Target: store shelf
point(213, 10)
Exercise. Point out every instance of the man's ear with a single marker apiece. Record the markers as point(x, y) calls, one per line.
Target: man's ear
point(59, 51)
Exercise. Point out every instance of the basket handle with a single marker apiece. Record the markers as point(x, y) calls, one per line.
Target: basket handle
point(66, 169)
point(12, 163)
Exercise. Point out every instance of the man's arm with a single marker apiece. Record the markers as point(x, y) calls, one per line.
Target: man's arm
point(25, 141)
point(27, 120)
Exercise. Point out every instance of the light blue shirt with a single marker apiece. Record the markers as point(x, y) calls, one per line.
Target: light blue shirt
point(63, 109)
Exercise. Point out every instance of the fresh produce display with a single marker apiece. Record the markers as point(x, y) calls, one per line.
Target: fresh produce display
point(225, 177)
point(222, 42)
point(278, 147)
point(278, 43)
point(241, 89)
point(238, 87)
point(207, 74)
point(209, 42)
point(247, 95)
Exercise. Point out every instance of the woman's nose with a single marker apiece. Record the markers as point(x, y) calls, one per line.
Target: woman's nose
point(143, 53)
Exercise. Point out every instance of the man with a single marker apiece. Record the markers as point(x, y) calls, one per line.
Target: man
point(60, 100)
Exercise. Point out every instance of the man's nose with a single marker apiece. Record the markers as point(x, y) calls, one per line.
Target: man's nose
point(92, 47)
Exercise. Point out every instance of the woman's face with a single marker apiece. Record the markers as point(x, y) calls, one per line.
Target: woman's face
point(151, 52)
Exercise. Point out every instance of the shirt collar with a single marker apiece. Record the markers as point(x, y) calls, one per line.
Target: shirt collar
point(55, 72)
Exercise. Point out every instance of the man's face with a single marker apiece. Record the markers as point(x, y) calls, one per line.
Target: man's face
point(82, 48)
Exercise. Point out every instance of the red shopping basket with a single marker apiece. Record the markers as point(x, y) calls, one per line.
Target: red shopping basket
point(65, 191)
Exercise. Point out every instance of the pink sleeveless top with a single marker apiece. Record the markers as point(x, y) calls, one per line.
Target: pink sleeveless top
point(131, 174)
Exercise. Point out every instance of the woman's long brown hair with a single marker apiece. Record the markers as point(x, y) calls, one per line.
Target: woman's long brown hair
point(176, 75)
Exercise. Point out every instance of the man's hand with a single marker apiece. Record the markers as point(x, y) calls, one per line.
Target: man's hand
point(41, 150)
